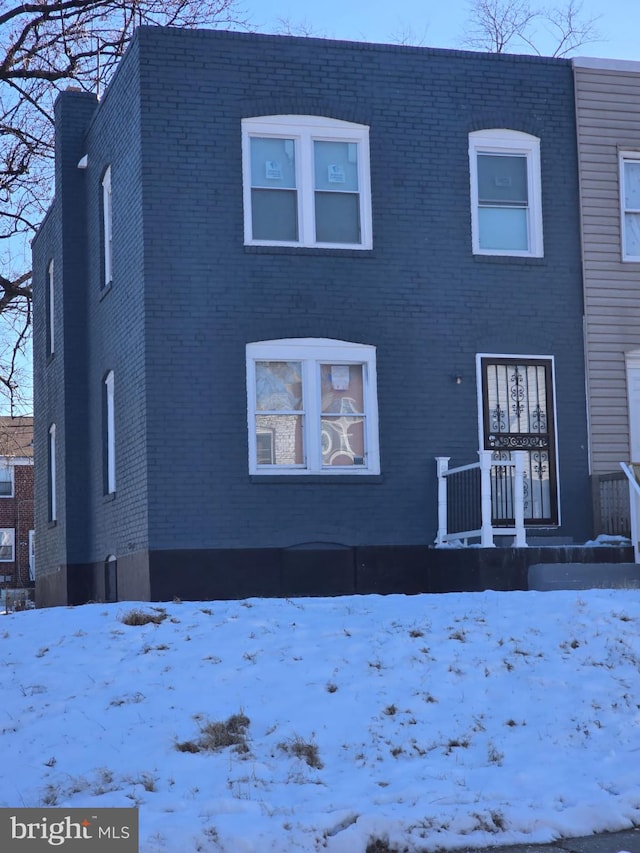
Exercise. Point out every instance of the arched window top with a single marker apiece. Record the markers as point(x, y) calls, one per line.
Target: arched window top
point(312, 407)
point(506, 194)
point(306, 182)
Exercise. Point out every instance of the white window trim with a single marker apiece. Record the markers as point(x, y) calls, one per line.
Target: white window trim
point(312, 352)
point(107, 222)
point(50, 306)
point(110, 437)
point(53, 508)
point(12, 541)
point(9, 463)
point(504, 141)
point(623, 157)
point(304, 129)
point(32, 555)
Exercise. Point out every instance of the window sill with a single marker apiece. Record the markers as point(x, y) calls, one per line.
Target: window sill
point(106, 499)
point(317, 479)
point(52, 524)
point(510, 260)
point(105, 290)
point(51, 357)
point(309, 250)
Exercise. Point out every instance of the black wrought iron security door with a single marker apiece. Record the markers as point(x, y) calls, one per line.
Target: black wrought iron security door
point(518, 414)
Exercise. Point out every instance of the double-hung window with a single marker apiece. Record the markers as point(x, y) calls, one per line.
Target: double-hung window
point(312, 407)
point(7, 545)
point(306, 182)
point(52, 486)
point(506, 198)
point(6, 478)
point(107, 227)
point(630, 204)
point(109, 435)
point(50, 309)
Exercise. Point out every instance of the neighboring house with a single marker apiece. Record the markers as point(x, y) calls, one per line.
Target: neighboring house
point(608, 127)
point(17, 570)
point(279, 278)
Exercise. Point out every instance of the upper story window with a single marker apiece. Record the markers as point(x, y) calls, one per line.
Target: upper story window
point(306, 182)
point(506, 196)
point(6, 478)
point(107, 227)
point(312, 407)
point(630, 204)
point(50, 310)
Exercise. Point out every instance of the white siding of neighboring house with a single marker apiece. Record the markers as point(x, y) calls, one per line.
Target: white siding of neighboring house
point(608, 121)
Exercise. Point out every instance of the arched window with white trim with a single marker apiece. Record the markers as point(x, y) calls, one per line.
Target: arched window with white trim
point(506, 195)
point(313, 407)
point(306, 182)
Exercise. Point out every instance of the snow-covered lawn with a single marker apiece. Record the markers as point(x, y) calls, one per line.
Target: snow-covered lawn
point(450, 720)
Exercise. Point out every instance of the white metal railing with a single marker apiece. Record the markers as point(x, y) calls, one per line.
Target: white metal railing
point(482, 526)
point(634, 504)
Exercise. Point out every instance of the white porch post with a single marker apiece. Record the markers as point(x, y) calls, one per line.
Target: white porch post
point(633, 506)
point(519, 457)
point(486, 530)
point(442, 463)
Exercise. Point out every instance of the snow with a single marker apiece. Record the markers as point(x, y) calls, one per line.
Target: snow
point(428, 721)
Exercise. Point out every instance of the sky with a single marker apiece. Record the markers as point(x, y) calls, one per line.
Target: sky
point(437, 24)
point(430, 721)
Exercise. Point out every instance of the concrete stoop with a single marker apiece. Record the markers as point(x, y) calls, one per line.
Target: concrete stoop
point(550, 576)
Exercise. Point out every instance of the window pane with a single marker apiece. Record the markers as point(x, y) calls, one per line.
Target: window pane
point(273, 163)
point(278, 386)
point(503, 228)
point(632, 234)
point(342, 441)
point(632, 184)
point(337, 217)
point(5, 480)
point(336, 166)
point(285, 440)
point(341, 388)
point(274, 215)
point(6, 545)
point(502, 178)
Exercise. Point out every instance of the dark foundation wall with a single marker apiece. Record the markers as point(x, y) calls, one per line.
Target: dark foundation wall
point(314, 571)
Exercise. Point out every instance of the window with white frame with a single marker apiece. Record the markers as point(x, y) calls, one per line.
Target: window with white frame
point(6, 477)
point(53, 507)
point(107, 227)
point(109, 454)
point(7, 545)
point(630, 204)
point(306, 182)
point(506, 195)
point(312, 407)
point(50, 310)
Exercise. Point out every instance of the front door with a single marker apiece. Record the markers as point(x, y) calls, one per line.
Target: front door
point(518, 413)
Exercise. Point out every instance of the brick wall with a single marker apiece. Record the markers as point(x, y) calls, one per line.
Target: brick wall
point(188, 296)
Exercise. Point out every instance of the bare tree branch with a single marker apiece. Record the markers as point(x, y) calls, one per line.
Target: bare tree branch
point(498, 26)
point(44, 46)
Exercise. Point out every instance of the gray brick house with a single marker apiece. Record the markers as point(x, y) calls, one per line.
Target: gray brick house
point(281, 276)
